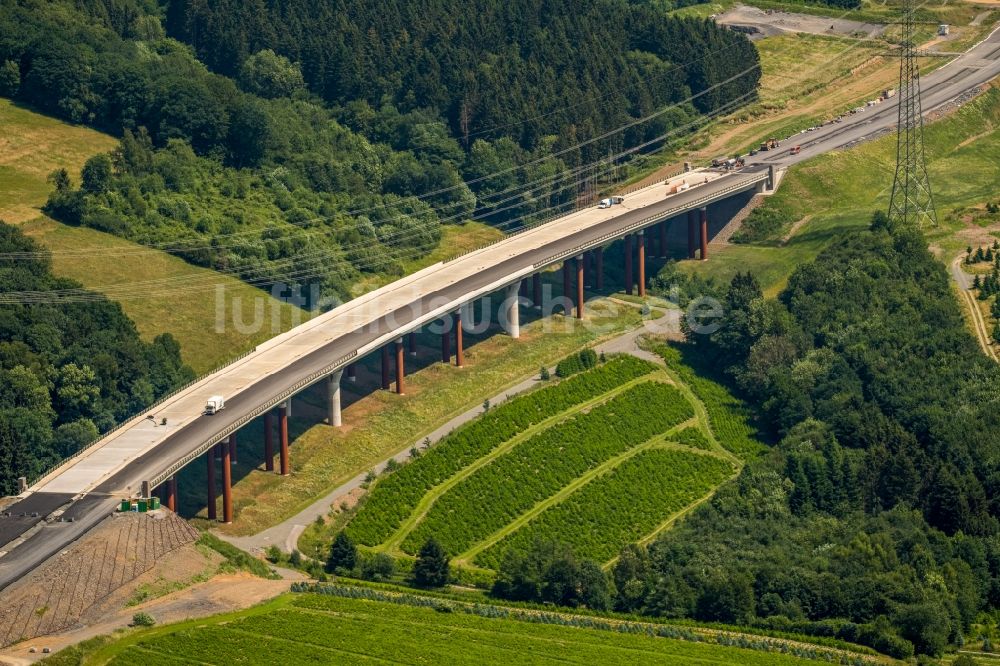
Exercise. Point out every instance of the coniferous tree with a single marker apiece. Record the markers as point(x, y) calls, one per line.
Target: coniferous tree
point(343, 553)
point(431, 568)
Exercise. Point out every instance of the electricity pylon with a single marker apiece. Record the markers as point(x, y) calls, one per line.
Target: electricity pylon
point(912, 202)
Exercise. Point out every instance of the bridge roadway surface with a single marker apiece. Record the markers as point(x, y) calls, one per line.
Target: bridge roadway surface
point(142, 450)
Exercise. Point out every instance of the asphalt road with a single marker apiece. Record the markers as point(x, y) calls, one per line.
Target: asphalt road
point(940, 88)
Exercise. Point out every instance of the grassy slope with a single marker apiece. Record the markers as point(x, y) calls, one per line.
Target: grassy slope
point(314, 629)
point(839, 190)
point(34, 145)
point(807, 79)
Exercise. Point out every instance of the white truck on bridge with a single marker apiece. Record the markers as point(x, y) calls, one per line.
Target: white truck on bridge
point(215, 404)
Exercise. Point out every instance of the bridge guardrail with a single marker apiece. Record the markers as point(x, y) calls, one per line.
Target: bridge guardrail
point(254, 413)
point(124, 422)
point(670, 212)
point(635, 188)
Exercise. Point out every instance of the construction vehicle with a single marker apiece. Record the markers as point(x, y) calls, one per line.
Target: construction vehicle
point(770, 144)
point(610, 201)
point(718, 162)
point(215, 404)
point(795, 151)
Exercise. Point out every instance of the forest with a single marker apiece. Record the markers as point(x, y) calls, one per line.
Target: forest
point(67, 371)
point(874, 518)
point(314, 142)
point(523, 69)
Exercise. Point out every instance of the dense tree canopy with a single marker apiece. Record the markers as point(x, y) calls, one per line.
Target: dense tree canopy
point(875, 518)
point(520, 68)
point(67, 371)
point(316, 127)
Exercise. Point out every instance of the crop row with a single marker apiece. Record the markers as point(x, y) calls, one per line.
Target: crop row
point(535, 469)
point(727, 414)
point(692, 437)
point(394, 497)
point(619, 507)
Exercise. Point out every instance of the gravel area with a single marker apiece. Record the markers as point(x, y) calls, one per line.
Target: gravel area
point(768, 23)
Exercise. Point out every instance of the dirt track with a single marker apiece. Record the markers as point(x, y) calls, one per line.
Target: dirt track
point(770, 23)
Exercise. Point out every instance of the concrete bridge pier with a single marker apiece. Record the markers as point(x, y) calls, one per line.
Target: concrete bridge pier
point(210, 460)
point(385, 368)
point(400, 369)
point(642, 263)
point(628, 265)
point(446, 339)
point(512, 310)
point(459, 351)
point(692, 215)
point(599, 267)
point(171, 499)
point(285, 468)
point(269, 440)
point(704, 233)
point(335, 417)
point(567, 291)
point(580, 273)
point(227, 487)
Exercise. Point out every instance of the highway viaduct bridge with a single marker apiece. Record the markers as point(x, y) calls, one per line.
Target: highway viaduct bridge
point(146, 452)
point(80, 493)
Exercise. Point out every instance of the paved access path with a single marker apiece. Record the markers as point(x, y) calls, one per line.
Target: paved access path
point(285, 535)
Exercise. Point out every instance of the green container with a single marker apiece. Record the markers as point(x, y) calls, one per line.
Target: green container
point(154, 503)
point(142, 506)
point(126, 506)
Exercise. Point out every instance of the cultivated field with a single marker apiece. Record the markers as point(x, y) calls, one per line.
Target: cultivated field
point(328, 629)
point(601, 459)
